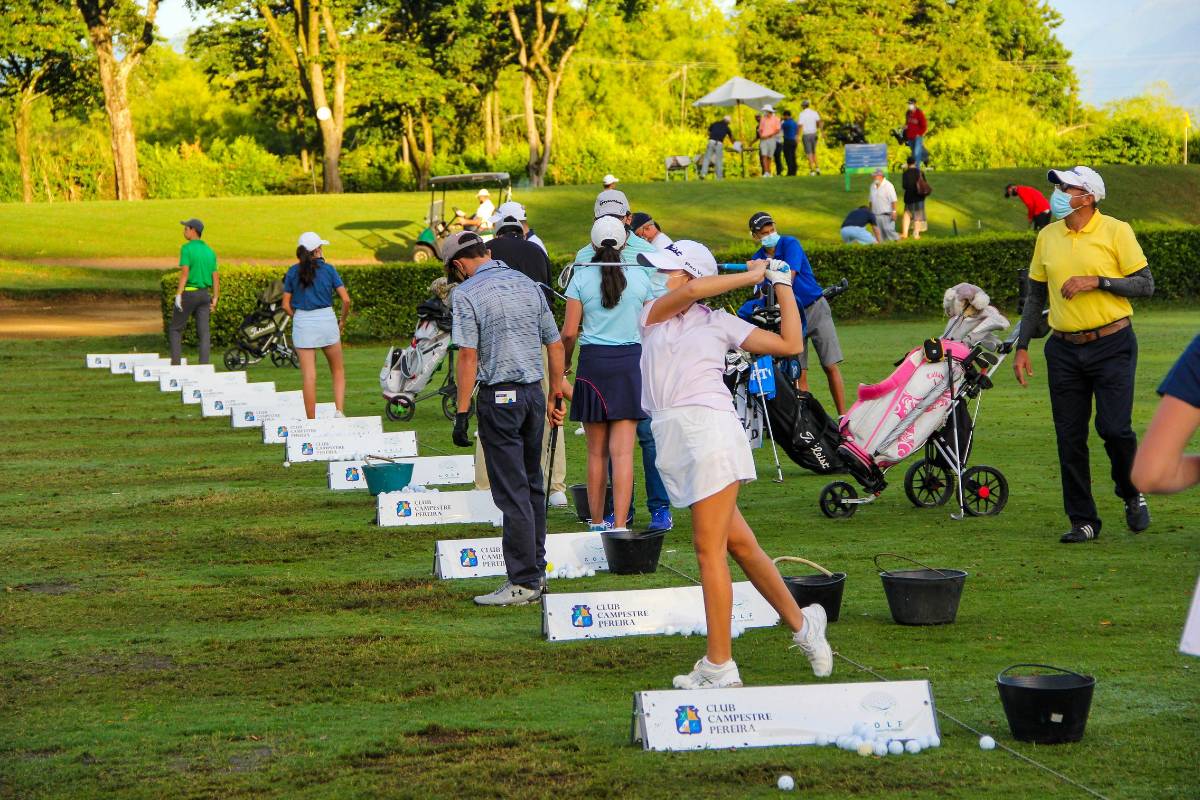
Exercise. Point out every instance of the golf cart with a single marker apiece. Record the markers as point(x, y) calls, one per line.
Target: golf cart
point(429, 244)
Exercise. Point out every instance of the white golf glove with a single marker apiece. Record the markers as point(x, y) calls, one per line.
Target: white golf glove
point(779, 272)
point(179, 302)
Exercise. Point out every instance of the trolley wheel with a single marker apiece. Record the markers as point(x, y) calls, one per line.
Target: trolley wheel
point(985, 491)
point(927, 484)
point(832, 497)
point(450, 405)
point(279, 358)
point(400, 409)
point(236, 358)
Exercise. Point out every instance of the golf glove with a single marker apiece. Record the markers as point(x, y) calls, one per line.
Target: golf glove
point(779, 272)
point(460, 436)
point(179, 302)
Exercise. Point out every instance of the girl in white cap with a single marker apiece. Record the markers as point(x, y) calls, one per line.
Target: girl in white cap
point(703, 453)
point(308, 289)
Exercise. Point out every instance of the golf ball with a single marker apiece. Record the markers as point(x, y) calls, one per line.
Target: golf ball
point(924, 740)
point(935, 741)
point(987, 743)
point(323, 113)
point(866, 748)
point(912, 746)
point(881, 749)
point(786, 783)
point(854, 742)
point(822, 740)
point(895, 747)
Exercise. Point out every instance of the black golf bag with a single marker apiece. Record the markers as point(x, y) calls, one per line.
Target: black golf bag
point(802, 428)
point(263, 333)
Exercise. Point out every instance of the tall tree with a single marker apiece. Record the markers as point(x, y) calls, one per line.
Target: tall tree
point(41, 53)
point(120, 33)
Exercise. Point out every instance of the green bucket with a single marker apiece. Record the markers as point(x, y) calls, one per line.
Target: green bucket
point(387, 477)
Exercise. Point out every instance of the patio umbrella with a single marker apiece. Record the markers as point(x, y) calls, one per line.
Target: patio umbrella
point(737, 92)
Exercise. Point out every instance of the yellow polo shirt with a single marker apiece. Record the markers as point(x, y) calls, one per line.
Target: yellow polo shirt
point(1105, 247)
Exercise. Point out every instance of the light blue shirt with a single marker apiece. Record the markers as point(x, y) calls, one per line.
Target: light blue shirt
point(619, 324)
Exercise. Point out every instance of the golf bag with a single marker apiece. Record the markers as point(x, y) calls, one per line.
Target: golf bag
point(407, 370)
point(263, 332)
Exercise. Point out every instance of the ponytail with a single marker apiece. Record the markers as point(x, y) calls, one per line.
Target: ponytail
point(308, 266)
point(612, 276)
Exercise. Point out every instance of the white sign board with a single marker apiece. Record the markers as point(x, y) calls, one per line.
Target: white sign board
point(216, 402)
point(427, 471)
point(348, 447)
point(1190, 643)
point(484, 557)
point(123, 365)
point(103, 360)
point(169, 378)
point(152, 373)
point(192, 389)
point(436, 508)
point(282, 418)
point(769, 716)
point(602, 615)
point(247, 413)
point(322, 427)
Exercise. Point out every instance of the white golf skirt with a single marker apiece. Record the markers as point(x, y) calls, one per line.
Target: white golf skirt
point(315, 328)
point(700, 451)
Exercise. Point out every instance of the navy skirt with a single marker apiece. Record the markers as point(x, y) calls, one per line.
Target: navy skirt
point(608, 383)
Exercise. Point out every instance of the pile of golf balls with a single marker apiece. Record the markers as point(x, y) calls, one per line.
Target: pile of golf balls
point(866, 740)
point(571, 571)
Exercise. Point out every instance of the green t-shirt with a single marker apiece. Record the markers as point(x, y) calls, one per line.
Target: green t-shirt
point(201, 262)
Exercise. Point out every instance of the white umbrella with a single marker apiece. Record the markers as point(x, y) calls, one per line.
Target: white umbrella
point(738, 91)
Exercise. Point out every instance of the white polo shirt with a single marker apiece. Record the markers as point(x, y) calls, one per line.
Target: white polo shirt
point(808, 120)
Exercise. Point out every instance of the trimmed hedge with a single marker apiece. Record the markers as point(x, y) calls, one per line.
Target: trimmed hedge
point(902, 278)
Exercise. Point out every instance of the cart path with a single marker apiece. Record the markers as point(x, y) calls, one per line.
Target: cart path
point(69, 317)
point(168, 262)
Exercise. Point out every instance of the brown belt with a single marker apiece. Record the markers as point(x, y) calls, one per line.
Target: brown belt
point(1083, 337)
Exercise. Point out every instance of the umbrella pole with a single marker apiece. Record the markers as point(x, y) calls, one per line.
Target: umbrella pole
point(742, 133)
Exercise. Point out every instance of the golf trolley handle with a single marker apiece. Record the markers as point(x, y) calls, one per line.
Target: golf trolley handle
point(883, 571)
point(1006, 670)
point(800, 560)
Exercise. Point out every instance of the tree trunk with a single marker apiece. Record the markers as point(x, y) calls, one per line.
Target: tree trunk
point(486, 113)
point(21, 126)
point(331, 142)
point(304, 165)
point(415, 153)
point(531, 132)
point(120, 122)
point(544, 165)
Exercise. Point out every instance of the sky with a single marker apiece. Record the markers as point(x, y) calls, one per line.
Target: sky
point(1119, 48)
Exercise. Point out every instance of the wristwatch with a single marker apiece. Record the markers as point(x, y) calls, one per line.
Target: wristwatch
point(1105, 283)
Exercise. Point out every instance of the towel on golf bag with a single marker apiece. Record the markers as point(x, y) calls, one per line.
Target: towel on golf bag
point(972, 317)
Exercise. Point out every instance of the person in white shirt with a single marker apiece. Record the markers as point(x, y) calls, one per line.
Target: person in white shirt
point(810, 126)
point(883, 206)
point(481, 220)
point(644, 226)
point(514, 209)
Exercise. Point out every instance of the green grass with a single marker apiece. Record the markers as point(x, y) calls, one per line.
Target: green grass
point(29, 280)
point(383, 226)
point(181, 617)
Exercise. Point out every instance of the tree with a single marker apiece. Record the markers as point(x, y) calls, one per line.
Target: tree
point(42, 54)
point(119, 26)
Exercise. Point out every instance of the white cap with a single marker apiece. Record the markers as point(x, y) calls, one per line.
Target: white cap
point(310, 241)
point(609, 179)
point(610, 202)
point(510, 209)
point(483, 193)
point(1084, 178)
point(769, 107)
point(682, 254)
point(609, 231)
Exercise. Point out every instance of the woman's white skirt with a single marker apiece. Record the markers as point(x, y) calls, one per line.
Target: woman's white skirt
point(700, 451)
point(315, 328)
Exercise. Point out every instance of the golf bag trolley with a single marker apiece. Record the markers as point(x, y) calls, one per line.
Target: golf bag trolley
point(263, 333)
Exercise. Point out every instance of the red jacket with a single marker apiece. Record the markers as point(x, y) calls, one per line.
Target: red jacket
point(914, 124)
point(1035, 202)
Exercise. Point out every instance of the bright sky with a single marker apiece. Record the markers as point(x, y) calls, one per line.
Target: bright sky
point(1118, 47)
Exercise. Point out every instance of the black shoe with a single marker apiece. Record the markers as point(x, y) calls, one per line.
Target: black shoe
point(1080, 533)
point(1137, 513)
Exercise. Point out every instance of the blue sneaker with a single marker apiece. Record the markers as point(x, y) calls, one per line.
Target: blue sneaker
point(611, 521)
point(661, 520)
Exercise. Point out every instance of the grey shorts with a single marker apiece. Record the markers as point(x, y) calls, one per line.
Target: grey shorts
point(767, 147)
point(810, 143)
point(821, 335)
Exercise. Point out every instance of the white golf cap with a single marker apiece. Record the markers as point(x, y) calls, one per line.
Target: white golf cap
point(610, 179)
point(683, 254)
point(483, 193)
point(610, 203)
point(311, 241)
point(769, 107)
point(510, 209)
point(609, 232)
point(1084, 178)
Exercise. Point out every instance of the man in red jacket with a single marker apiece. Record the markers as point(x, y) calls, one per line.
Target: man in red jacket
point(914, 132)
point(1036, 204)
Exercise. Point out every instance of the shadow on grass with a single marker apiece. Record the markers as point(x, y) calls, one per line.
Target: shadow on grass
point(388, 239)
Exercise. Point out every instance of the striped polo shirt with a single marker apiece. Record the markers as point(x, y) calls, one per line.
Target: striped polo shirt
point(503, 314)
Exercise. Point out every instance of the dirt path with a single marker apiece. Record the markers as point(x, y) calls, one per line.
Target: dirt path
point(69, 317)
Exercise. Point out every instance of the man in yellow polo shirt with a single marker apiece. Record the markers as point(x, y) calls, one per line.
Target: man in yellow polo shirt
point(1088, 266)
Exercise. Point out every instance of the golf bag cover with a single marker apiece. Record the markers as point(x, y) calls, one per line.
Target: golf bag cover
point(407, 370)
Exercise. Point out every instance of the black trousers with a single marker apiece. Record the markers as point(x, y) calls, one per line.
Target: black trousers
point(1078, 373)
point(789, 155)
point(1041, 220)
point(195, 303)
point(511, 433)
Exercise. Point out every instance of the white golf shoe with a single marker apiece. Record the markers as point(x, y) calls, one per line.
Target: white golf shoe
point(706, 675)
point(558, 500)
point(811, 639)
point(509, 594)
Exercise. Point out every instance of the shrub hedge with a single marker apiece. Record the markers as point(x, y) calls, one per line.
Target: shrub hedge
point(901, 278)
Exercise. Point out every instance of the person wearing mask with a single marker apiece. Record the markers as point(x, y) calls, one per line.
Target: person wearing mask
point(915, 126)
point(197, 275)
point(768, 133)
point(703, 452)
point(481, 220)
point(914, 201)
point(820, 328)
point(1087, 265)
point(308, 290)
point(810, 129)
point(882, 200)
point(501, 324)
point(1037, 207)
point(856, 226)
point(606, 301)
point(714, 152)
point(644, 226)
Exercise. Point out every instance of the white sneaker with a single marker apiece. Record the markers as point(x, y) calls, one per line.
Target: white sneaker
point(558, 500)
point(706, 675)
point(509, 594)
point(811, 639)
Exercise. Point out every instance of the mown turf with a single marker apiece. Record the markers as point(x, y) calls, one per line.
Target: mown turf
point(182, 617)
point(23, 280)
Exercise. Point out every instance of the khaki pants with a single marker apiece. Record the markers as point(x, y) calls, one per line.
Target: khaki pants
point(558, 476)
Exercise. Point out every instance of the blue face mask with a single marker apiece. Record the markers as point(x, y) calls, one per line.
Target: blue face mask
point(1060, 204)
point(770, 240)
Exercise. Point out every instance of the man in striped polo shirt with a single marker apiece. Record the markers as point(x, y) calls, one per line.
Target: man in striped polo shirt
point(501, 322)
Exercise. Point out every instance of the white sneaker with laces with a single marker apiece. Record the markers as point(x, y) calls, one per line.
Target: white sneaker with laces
point(509, 594)
point(707, 675)
point(811, 639)
point(558, 500)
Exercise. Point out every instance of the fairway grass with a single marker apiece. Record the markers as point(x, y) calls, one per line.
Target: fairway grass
point(27, 281)
point(183, 617)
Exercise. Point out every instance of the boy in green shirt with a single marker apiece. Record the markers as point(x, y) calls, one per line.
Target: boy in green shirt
point(199, 287)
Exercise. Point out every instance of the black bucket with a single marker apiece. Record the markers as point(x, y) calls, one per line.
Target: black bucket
point(632, 552)
point(1046, 709)
point(824, 588)
point(579, 498)
point(924, 596)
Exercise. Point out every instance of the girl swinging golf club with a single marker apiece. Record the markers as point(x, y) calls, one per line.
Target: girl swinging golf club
point(703, 454)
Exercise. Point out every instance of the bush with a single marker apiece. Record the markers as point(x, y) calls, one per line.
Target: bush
point(902, 278)
point(240, 167)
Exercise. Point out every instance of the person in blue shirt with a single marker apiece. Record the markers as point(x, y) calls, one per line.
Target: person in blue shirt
point(817, 315)
point(791, 130)
point(308, 289)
